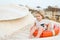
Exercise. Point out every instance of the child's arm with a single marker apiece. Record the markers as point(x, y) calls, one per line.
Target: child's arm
point(32, 30)
point(51, 27)
point(40, 30)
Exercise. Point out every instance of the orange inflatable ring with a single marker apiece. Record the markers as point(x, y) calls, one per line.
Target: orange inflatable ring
point(47, 33)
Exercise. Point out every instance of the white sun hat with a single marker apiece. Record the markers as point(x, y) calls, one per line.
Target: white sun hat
point(14, 17)
point(10, 12)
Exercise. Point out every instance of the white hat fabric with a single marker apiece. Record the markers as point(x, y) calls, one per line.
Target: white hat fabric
point(10, 12)
point(21, 20)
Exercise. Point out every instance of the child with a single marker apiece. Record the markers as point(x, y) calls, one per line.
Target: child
point(38, 25)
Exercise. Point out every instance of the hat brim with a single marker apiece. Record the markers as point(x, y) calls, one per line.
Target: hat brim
point(10, 12)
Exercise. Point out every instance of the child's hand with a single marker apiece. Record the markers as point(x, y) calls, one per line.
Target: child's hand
point(40, 30)
point(32, 30)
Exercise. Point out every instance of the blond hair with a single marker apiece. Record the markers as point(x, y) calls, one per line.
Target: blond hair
point(39, 12)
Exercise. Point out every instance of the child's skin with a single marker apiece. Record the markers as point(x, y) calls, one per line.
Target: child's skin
point(38, 17)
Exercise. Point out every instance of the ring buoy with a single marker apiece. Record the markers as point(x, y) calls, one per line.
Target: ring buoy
point(47, 33)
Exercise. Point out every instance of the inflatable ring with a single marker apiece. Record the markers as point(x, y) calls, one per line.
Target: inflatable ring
point(47, 33)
